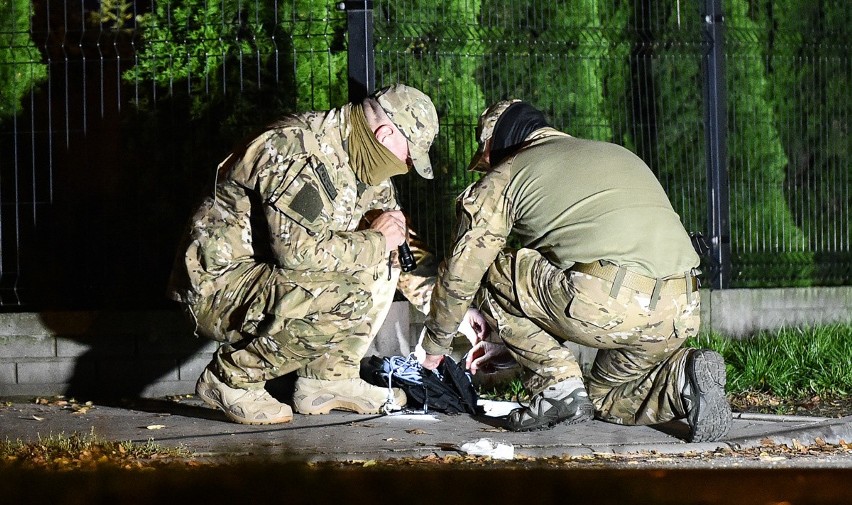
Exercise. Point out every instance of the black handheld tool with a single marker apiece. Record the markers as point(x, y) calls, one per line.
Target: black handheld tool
point(406, 259)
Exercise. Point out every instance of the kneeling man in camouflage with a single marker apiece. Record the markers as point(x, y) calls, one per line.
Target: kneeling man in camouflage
point(603, 261)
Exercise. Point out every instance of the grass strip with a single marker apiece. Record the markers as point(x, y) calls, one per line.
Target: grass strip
point(790, 362)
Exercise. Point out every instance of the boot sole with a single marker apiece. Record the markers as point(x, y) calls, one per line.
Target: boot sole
point(713, 418)
point(330, 405)
point(277, 420)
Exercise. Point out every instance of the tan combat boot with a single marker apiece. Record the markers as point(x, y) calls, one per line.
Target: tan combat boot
point(242, 406)
point(315, 396)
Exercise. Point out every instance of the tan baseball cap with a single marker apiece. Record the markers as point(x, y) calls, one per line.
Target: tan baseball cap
point(484, 130)
point(415, 116)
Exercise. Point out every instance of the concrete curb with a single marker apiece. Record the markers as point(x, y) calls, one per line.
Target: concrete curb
point(832, 431)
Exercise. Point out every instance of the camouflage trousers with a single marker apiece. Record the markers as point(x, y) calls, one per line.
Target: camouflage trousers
point(638, 373)
point(274, 321)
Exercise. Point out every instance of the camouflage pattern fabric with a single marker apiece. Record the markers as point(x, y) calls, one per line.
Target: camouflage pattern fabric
point(484, 227)
point(277, 263)
point(539, 303)
point(415, 116)
point(635, 378)
point(484, 130)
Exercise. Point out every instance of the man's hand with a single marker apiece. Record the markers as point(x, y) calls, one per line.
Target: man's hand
point(391, 224)
point(474, 326)
point(482, 352)
point(431, 361)
point(476, 329)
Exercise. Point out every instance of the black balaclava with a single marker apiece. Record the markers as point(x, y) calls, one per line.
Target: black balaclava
point(512, 128)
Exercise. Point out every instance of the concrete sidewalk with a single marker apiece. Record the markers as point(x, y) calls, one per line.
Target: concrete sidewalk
point(342, 436)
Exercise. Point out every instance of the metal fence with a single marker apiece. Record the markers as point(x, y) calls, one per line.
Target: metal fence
point(114, 114)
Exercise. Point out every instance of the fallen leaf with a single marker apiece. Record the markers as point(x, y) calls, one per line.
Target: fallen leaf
point(416, 431)
point(156, 426)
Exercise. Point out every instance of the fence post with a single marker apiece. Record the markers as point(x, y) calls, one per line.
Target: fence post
point(716, 129)
point(361, 57)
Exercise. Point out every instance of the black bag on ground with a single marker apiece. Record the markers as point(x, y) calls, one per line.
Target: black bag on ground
point(448, 389)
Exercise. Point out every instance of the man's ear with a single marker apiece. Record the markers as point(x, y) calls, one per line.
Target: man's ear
point(383, 132)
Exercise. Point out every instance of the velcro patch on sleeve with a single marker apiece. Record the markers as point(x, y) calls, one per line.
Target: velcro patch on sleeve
point(307, 202)
point(322, 173)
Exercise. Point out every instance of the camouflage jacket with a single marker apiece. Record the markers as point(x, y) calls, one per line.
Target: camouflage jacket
point(289, 198)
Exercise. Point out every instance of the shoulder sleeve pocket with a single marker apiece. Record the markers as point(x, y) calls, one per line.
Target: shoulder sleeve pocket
point(305, 199)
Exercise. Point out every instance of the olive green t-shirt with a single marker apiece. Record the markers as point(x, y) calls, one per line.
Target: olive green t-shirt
point(577, 200)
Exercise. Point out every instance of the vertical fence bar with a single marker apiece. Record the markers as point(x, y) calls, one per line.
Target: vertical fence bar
point(361, 56)
point(716, 129)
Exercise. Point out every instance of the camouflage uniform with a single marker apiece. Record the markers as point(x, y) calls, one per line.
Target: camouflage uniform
point(570, 203)
point(279, 264)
